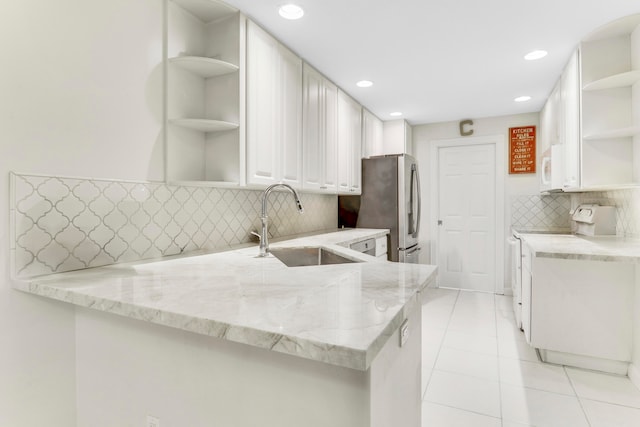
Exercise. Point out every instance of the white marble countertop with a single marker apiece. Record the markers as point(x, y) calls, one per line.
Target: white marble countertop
point(573, 246)
point(339, 314)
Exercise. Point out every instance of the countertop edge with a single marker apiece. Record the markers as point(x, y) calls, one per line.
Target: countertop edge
point(589, 248)
point(342, 356)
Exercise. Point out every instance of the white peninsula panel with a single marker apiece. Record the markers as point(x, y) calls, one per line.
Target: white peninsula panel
point(229, 338)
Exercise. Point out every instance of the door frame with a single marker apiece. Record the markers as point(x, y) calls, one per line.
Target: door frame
point(499, 147)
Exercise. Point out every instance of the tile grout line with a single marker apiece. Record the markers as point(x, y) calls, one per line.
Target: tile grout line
point(440, 345)
point(466, 410)
point(564, 368)
point(495, 321)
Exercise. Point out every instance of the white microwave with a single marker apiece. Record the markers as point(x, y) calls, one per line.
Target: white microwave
point(552, 169)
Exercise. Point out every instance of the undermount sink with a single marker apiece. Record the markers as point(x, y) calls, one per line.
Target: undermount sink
point(306, 256)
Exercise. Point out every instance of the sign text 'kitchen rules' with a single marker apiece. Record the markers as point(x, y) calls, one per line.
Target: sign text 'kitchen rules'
point(522, 149)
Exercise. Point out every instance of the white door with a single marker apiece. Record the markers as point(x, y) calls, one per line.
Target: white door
point(467, 217)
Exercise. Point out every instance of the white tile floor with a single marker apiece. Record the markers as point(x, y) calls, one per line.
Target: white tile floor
point(478, 371)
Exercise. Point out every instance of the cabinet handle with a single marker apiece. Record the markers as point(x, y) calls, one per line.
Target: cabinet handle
point(323, 188)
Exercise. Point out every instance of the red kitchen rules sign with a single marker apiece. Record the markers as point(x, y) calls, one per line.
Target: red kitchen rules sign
point(522, 149)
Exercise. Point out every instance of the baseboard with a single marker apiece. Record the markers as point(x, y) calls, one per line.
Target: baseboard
point(585, 362)
point(634, 375)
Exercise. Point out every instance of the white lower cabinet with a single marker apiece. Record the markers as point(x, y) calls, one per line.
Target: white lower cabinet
point(274, 111)
point(579, 312)
point(349, 145)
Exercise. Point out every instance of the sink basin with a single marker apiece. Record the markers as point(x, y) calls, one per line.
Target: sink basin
point(305, 256)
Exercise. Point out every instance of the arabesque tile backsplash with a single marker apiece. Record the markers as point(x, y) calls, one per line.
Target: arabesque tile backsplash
point(540, 212)
point(548, 212)
point(62, 224)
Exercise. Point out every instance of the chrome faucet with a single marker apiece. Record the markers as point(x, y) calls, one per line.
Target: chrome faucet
point(264, 239)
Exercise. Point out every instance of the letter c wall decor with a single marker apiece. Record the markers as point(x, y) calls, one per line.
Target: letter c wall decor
point(463, 130)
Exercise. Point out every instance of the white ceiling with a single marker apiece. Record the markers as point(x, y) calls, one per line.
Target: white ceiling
point(439, 60)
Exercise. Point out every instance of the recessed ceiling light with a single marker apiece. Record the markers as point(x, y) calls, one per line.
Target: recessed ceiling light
point(395, 114)
point(291, 11)
point(364, 83)
point(536, 54)
point(522, 98)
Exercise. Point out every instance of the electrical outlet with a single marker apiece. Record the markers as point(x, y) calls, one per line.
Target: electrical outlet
point(404, 332)
point(152, 421)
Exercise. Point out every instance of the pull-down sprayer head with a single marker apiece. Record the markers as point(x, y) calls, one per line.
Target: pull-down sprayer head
point(264, 239)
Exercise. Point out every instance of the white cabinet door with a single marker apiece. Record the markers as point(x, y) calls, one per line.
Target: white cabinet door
point(570, 105)
point(274, 105)
point(356, 149)
point(582, 307)
point(313, 128)
point(526, 260)
point(262, 142)
point(289, 120)
point(372, 135)
point(397, 137)
point(320, 132)
point(331, 137)
point(349, 145)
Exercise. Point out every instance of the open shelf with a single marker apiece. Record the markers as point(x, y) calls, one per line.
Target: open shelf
point(613, 133)
point(203, 66)
point(619, 80)
point(204, 125)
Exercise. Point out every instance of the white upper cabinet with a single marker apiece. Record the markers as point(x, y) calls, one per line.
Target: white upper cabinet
point(349, 145)
point(610, 70)
point(234, 109)
point(320, 132)
point(547, 131)
point(594, 110)
point(372, 135)
point(397, 137)
point(205, 93)
point(274, 111)
point(570, 129)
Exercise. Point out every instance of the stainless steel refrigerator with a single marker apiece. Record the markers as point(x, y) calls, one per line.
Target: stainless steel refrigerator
point(390, 199)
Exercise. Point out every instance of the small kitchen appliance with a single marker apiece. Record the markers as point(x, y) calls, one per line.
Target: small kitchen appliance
point(552, 169)
point(595, 220)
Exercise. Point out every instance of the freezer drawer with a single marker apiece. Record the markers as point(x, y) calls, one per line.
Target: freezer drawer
point(410, 255)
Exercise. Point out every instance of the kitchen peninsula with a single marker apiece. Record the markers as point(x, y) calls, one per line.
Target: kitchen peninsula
point(232, 339)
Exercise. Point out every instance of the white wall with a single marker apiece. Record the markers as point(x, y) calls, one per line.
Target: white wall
point(80, 95)
point(423, 135)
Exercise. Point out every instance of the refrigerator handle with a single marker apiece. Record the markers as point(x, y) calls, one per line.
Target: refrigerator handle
point(415, 177)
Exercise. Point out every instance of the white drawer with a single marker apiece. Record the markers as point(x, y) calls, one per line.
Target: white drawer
point(381, 245)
